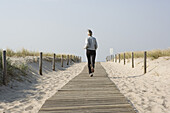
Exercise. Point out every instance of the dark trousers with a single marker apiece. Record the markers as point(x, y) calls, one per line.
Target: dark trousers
point(91, 55)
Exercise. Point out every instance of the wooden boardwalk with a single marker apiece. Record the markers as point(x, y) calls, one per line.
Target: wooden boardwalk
point(84, 94)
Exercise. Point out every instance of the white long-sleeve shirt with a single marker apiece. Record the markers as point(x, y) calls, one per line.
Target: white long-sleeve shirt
point(91, 43)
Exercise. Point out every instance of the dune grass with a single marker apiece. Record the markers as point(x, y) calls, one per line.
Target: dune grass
point(21, 53)
point(158, 53)
point(15, 71)
point(24, 52)
point(153, 54)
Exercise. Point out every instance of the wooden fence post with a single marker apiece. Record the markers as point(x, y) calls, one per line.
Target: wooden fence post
point(75, 59)
point(132, 60)
point(40, 63)
point(124, 58)
point(4, 66)
point(79, 59)
point(116, 58)
point(119, 58)
point(145, 57)
point(112, 58)
point(67, 59)
point(61, 60)
point(53, 62)
point(71, 58)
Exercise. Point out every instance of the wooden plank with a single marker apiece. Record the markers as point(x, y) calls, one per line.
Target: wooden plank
point(88, 94)
point(87, 107)
point(92, 110)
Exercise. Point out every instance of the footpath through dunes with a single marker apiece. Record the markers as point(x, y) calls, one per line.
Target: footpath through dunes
point(84, 94)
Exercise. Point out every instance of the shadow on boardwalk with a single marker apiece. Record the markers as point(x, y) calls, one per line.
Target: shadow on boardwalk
point(85, 94)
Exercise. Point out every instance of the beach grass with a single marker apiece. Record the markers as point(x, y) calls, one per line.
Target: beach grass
point(24, 52)
point(15, 71)
point(21, 53)
point(153, 54)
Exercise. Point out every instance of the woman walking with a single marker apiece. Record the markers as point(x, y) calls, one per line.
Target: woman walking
point(91, 46)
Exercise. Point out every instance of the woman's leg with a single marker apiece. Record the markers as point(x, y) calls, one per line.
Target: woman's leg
point(89, 60)
point(93, 58)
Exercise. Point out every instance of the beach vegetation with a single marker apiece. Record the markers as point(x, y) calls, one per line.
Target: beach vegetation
point(153, 54)
point(24, 52)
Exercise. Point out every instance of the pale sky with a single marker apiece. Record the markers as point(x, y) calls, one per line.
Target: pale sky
point(60, 26)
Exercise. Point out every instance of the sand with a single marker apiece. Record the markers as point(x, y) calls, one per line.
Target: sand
point(150, 92)
point(29, 95)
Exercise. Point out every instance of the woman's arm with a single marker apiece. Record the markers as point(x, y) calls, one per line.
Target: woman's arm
point(86, 44)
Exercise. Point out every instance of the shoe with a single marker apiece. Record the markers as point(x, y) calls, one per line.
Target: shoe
point(91, 74)
point(92, 69)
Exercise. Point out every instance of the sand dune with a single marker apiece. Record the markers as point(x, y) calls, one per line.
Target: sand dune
point(29, 95)
point(150, 92)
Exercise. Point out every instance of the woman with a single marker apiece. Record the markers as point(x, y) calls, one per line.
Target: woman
point(91, 46)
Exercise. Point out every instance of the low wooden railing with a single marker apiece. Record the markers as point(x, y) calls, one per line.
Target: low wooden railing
point(114, 59)
point(69, 59)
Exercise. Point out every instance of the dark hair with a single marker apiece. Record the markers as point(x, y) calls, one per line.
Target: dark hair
point(89, 31)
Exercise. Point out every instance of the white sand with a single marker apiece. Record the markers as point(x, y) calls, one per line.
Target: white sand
point(28, 96)
point(150, 92)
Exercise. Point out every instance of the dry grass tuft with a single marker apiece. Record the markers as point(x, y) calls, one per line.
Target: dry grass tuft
point(153, 54)
point(24, 52)
point(21, 53)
